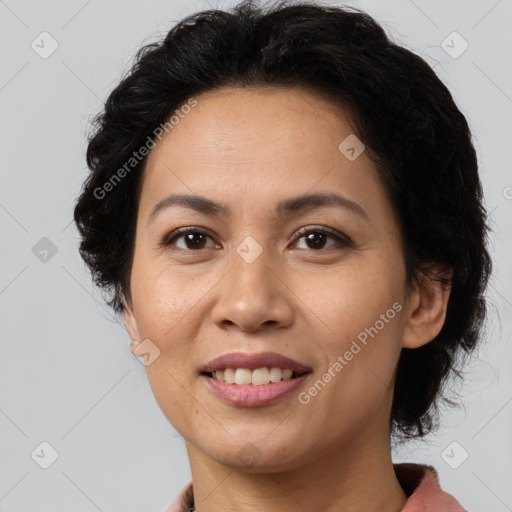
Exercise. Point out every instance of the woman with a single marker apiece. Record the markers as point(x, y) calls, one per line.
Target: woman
point(287, 210)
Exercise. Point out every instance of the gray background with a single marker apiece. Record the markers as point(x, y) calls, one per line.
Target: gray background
point(67, 376)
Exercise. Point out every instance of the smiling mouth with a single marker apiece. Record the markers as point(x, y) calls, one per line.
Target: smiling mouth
point(257, 377)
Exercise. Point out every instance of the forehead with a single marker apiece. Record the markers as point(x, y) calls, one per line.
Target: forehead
point(242, 119)
point(256, 143)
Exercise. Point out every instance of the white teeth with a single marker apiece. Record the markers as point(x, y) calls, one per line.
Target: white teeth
point(287, 374)
point(229, 375)
point(242, 376)
point(275, 374)
point(258, 377)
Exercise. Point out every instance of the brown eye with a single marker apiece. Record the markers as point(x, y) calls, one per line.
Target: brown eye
point(193, 239)
point(316, 238)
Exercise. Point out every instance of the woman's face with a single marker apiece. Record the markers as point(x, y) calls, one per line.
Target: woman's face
point(332, 298)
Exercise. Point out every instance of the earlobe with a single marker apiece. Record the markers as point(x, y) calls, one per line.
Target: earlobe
point(426, 312)
point(131, 326)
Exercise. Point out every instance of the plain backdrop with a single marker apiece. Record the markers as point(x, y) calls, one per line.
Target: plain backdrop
point(67, 376)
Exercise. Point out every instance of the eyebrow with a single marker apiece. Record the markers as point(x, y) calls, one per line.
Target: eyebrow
point(301, 203)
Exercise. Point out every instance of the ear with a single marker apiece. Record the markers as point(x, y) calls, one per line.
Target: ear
point(426, 310)
point(131, 325)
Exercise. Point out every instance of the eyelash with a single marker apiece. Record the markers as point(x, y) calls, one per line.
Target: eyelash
point(340, 239)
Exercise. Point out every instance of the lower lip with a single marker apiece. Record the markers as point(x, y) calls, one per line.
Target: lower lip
point(248, 395)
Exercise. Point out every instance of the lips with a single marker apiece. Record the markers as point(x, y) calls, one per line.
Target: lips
point(241, 389)
point(253, 362)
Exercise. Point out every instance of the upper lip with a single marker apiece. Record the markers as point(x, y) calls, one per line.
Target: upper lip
point(254, 361)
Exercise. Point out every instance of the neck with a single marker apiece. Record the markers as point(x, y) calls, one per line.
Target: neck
point(358, 476)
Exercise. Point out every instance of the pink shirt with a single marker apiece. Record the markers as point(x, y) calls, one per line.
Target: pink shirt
point(419, 481)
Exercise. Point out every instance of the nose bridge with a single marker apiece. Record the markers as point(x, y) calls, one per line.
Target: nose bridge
point(252, 256)
point(251, 275)
point(252, 294)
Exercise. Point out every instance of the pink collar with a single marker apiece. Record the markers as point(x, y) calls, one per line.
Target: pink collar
point(419, 481)
point(421, 484)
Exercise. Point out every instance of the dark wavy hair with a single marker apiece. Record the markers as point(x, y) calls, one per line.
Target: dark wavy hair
point(405, 116)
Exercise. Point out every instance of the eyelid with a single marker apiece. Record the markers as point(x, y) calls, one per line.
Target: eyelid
point(184, 231)
point(323, 229)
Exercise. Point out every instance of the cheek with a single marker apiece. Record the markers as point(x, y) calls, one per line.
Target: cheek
point(361, 323)
point(164, 303)
point(162, 298)
point(361, 326)
point(352, 299)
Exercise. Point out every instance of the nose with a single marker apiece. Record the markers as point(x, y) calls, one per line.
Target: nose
point(253, 296)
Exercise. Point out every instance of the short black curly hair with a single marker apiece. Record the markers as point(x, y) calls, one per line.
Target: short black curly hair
point(403, 113)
